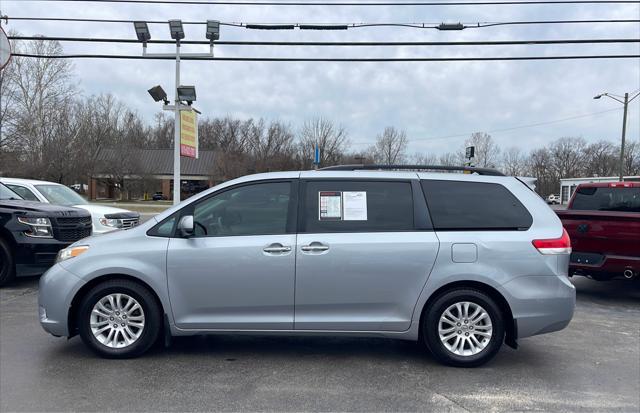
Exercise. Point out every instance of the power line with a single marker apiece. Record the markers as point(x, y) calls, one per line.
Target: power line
point(531, 125)
point(414, 25)
point(328, 59)
point(359, 4)
point(281, 43)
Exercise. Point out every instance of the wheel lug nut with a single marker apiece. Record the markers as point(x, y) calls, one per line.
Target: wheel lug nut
point(115, 325)
point(466, 321)
point(124, 316)
point(123, 325)
point(111, 318)
point(466, 334)
point(458, 324)
point(117, 312)
point(459, 332)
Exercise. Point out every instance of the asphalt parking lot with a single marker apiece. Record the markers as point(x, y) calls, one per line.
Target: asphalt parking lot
point(593, 365)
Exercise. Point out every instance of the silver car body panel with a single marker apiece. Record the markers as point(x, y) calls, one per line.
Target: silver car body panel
point(364, 284)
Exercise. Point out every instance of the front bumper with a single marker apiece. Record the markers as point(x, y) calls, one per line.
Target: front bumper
point(540, 304)
point(35, 255)
point(57, 289)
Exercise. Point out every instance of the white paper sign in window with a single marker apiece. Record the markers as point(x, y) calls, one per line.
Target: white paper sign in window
point(355, 206)
point(330, 206)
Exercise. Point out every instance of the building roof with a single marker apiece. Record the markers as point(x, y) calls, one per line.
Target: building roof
point(153, 162)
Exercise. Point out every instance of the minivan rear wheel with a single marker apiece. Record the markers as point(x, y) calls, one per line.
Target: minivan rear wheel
point(463, 328)
point(119, 319)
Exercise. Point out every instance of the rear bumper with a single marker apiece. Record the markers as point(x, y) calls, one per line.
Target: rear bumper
point(603, 265)
point(540, 304)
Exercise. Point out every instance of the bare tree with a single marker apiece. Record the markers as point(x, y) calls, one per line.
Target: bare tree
point(331, 140)
point(424, 159)
point(487, 153)
point(600, 159)
point(513, 162)
point(41, 92)
point(391, 147)
point(567, 157)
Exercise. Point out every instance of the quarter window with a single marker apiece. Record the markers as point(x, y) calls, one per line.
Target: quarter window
point(457, 206)
point(358, 206)
point(258, 209)
point(23, 192)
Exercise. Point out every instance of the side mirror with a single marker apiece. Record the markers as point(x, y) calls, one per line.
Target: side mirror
point(186, 226)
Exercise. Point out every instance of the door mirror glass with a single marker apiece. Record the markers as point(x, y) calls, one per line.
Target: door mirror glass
point(186, 226)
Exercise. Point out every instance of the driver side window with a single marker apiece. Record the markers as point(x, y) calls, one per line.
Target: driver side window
point(257, 209)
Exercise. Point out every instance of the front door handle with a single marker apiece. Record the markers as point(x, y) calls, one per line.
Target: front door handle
point(315, 247)
point(276, 249)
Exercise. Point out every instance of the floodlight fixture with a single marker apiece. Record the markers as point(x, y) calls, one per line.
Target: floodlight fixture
point(187, 93)
point(158, 94)
point(213, 30)
point(142, 31)
point(599, 96)
point(175, 27)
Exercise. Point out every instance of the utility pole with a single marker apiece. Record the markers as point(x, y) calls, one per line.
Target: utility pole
point(624, 132)
point(625, 100)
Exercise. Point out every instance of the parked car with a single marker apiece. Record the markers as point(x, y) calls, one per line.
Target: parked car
point(553, 199)
point(32, 233)
point(603, 220)
point(460, 262)
point(104, 218)
point(159, 196)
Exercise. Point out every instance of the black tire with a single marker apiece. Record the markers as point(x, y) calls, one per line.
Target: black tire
point(152, 318)
point(431, 321)
point(7, 265)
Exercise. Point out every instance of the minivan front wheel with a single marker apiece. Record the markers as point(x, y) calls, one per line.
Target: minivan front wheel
point(463, 327)
point(119, 319)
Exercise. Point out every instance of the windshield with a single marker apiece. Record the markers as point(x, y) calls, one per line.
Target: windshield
point(607, 199)
point(6, 193)
point(61, 195)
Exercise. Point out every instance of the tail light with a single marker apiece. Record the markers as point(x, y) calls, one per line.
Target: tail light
point(555, 246)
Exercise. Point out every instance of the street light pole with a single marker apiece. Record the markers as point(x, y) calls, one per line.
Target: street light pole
point(624, 132)
point(625, 101)
point(176, 144)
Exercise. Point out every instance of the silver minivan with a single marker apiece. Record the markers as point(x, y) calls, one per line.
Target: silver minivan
point(459, 262)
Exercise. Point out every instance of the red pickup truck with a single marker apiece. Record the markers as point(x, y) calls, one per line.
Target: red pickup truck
point(603, 221)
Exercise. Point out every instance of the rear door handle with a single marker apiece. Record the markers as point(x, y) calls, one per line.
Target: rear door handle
point(276, 249)
point(314, 247)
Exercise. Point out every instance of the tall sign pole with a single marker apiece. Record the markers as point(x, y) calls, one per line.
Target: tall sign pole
point(176, 144)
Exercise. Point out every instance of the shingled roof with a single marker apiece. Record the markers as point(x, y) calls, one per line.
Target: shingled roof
point(157, 162)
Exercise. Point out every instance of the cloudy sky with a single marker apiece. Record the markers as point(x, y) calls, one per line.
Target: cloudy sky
point(438, 104)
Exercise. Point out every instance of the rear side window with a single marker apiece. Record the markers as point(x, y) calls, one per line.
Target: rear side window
point(458, 206)
point(357, 206)
point(607, 199)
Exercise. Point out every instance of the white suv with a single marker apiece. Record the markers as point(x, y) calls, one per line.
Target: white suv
point(104, 218)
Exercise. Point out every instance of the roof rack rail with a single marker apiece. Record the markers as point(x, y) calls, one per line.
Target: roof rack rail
point(373, 167)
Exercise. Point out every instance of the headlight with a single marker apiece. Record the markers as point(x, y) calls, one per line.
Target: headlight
point(109, 222)
point(38, 227)
point(71, 252)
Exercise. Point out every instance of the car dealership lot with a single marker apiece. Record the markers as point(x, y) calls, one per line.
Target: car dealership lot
point(593, 365)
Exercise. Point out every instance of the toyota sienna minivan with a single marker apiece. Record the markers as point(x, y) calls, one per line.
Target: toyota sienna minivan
point(458, 262)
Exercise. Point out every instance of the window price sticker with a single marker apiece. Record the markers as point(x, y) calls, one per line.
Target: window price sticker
point(330, 206)
point(355, 206)
point(342, 206)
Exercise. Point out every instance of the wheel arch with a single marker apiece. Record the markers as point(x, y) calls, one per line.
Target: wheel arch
point(72, 315)
point(511, 327)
